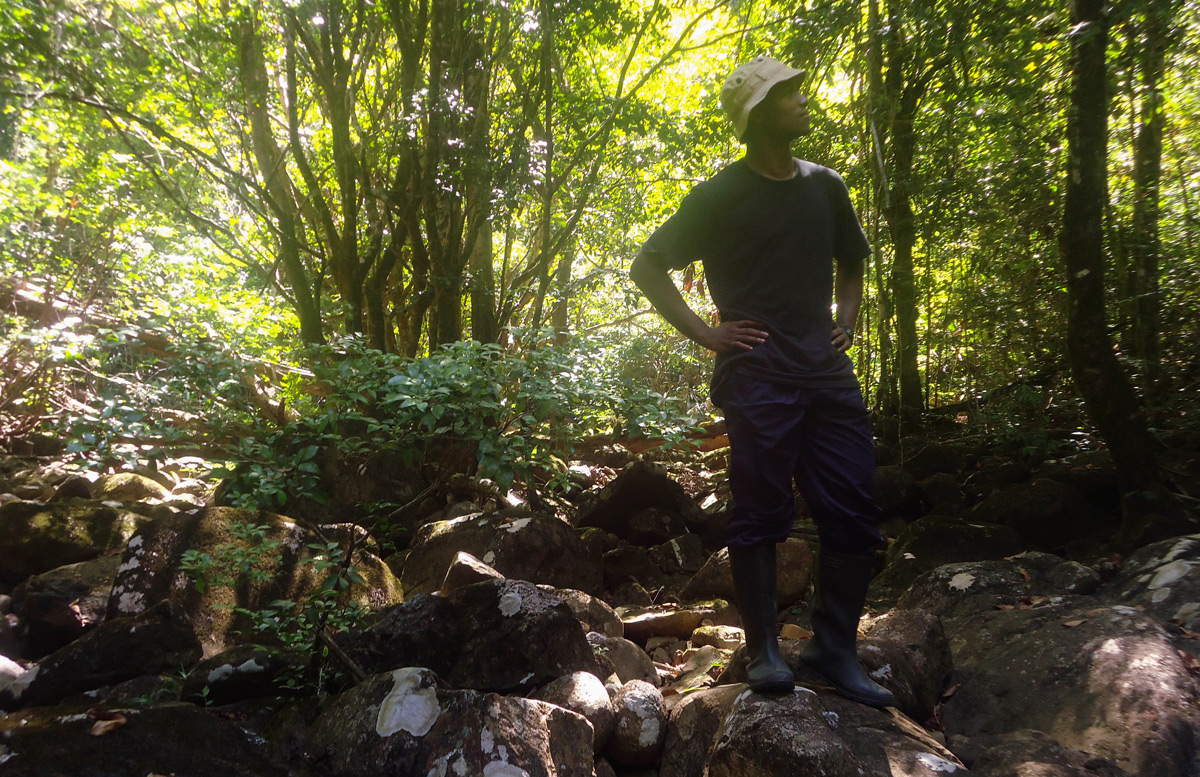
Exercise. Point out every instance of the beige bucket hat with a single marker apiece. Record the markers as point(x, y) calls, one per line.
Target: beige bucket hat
point(748, 85)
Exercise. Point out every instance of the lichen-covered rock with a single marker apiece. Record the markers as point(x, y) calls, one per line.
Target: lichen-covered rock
point(936, 540)
point(593, 613)
point(692, 726)
point(628, 660)
point(583, 692)
point(810, 735)
point(129, 487)
point(282, 567)
point(1103, 679)
point(1028, 752)
point(1163, 578)
point(242, 672)
point(37, 537)
point(9, 670)
point(168, 739)
point(497, 635)
point(641, 723)
point(59, 605)
point(518, 545)
point(795, 568)
point(120, 649)
point(922, 665)
point(978, 586)
point(406, 723)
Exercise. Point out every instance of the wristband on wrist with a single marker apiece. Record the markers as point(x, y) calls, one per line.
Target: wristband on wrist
point(849, 330)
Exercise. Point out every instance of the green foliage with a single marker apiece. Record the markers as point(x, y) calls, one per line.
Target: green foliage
point(242, 558)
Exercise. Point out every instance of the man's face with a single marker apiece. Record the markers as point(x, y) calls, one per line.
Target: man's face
point(784, 111)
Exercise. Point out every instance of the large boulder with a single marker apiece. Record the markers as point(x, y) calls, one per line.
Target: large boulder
point(795, 569)
point(642, 485)
point(810, 735)
point(692, 726)
point(407, 722)
point(122, 648)
point(628, 661)
point(1046, 514)
point(243, 672)
point(942, 539)
point(37, 537)
point(58, 606)
point(518, 545)
point(909, 650)
point(161, 740)
point(254, 559)
point(593, 613)
point(1102, 679)
point(897, 493)
point(642, 623)
point(496, 635)
point(1163, 580)
point(1028, 752)
point(129, 487)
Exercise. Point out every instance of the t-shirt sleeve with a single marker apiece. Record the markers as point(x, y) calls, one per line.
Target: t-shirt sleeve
point(685, 236)
point(850, 241)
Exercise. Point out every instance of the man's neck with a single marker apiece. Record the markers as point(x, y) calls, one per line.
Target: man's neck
point(771, 159)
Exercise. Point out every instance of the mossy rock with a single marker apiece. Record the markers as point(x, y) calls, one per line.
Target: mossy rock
point(37, 537)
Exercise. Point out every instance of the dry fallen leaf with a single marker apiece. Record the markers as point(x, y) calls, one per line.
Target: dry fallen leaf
point(792, 631)
point(112, 723)
point(1074, 623)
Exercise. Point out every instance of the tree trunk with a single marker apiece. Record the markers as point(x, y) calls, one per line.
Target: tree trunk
point(1145, 246)
point(1107, 391)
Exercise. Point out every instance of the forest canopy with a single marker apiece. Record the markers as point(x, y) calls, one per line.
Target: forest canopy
point(308, 185)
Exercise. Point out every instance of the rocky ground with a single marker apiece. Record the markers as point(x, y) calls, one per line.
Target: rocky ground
point(151, 629)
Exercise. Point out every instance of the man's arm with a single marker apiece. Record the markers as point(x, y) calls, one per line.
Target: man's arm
point(655, 282)
point(848, 296)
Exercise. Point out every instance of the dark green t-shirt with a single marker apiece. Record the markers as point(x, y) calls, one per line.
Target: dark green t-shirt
point(768, 249)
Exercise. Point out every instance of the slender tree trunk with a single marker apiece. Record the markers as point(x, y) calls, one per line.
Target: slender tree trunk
point(1147, 172)
point(1107, 392)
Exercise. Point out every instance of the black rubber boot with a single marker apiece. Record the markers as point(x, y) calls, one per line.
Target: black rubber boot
point(754, 583)
point(837, 605)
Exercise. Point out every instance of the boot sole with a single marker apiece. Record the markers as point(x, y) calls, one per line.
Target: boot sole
point(878, 704)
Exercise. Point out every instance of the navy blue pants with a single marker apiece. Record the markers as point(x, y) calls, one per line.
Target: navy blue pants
point(818, 437)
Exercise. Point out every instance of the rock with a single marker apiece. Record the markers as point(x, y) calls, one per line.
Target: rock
point(1046, 514)
point(1092, 474)
point(518, 545)
point(942, 494)
point(925, 662)
point(642, 623)
point(129, 487)
point(715, 579)
point(406, 722)
point(158, 740)
point(74, 487)
point(276, 564)
point(1103, 679)
point(37, 537)
point(652, 526)
point(806, 735)
point(1026, 752)
point(897, 494)
point(242, 672)
point(9, 670)
point(941, 539)
point(1163, 578)
point(497, 635)
point(59, 605)
point(976, 586)
point(681, 555)
point(640, 485)
point(630, 594)
point(692, 726)
point(10, 646)
point(465, 570)
point(119, 649)
point(604, 768)
point(996, 471)
point(628, 660)
point(584, 693)
point(640, 726)
point(721, 637)
point(631, 564)
point(593, 614)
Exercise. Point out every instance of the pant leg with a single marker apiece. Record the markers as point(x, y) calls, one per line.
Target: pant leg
point(763, 422)
point(836, 471)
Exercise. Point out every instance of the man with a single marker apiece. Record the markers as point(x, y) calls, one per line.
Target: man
point(769, 229)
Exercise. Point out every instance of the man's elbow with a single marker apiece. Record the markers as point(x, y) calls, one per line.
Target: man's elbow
point(644, 269)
